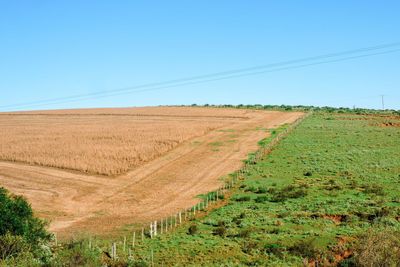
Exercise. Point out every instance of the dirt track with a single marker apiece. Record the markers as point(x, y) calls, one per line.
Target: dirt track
point(161, 187)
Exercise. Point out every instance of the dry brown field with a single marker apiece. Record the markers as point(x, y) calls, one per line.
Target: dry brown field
point(153, 161)
point(105, 142)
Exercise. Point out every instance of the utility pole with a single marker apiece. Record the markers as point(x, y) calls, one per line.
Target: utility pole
point(383, 103)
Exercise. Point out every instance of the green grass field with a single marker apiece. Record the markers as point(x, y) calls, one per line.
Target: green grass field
point(330, 181)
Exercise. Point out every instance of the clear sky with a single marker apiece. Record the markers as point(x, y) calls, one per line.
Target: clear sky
point(54, 49)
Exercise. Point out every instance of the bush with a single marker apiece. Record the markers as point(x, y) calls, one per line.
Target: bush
point(245, 233)
point(12, 246)
point(221, 231)
point(244, 198)
point(250, 246)
point(347, 263)
point(192, 229)
point(307, 173)
point(261, 199)
point(16, 218)
point(289, 192)
point(380, 247)
point(374, 189)
point(305, 249)
point(273, 249)
point(261, 190)
point(140, 263)
point(274, 231)
point(77, 254)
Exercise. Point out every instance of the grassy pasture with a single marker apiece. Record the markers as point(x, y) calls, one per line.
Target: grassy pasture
point(331, 180)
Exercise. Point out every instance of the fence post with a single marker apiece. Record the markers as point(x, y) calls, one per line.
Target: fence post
point(142, 234)
point(133, 238)
point(55, 239)
point(114, 250)
point(130, 254)
point(161, 226)
point(124, 243)
point(180, 218)
point(151, 229)
point(155, 228)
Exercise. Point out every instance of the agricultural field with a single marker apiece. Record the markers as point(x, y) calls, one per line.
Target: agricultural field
point(104, 141)
point(328, 193)
point(99, 170)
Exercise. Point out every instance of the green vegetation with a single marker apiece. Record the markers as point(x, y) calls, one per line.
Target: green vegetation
point(22, 235)
point(332, 180)
point(327, 193)
point(301, 108)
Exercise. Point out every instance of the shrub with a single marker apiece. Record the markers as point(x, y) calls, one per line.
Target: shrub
point(140, 263)
point(273, 249)
point(382, 212)
point(347, 263)
point(289, 192)
point(380, 247)
point(261, 199)
point(243, 198)
point(374, 189)
point(249, 246)
point(244, 233)
point(274, 231)
point(16, 218)
point(192, 229)
point(307, 173)
point(305, 248)
point(261, 190)
point(221, 231)
point(236, 220)
point(77, 253)
point(12, 246)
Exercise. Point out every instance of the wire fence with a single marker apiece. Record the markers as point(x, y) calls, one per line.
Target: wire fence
point(207, 203)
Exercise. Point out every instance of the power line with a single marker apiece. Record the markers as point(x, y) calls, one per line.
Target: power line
point(215, 76)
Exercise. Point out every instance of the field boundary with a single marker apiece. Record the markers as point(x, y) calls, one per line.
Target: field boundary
point(210, 201)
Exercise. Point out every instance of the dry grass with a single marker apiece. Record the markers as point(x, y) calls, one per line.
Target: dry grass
point(104, 141)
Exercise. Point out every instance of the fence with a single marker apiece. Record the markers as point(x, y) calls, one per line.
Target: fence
point(165, 225)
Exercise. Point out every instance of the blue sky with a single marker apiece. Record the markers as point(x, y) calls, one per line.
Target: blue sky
point(55, 49)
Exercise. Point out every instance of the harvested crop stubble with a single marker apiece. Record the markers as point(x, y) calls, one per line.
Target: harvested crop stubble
point(102, 141)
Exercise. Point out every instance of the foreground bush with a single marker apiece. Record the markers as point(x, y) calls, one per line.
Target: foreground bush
point(380, 247)
point(22, 235)
point(16, 218)
point(12, 247)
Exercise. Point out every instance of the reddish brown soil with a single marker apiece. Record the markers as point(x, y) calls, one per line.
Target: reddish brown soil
point(390, 124)
point(154, 190)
